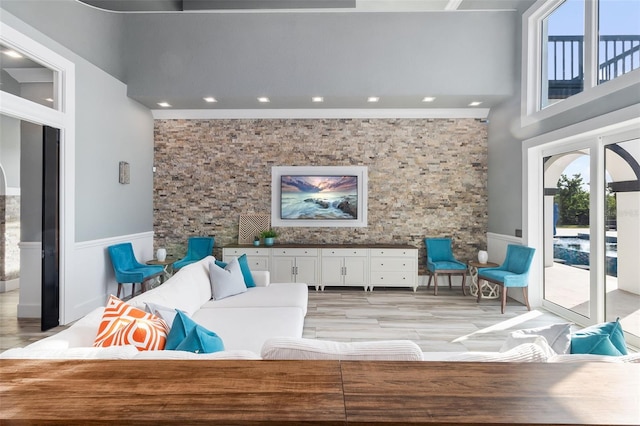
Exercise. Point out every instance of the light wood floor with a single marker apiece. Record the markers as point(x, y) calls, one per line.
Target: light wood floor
point(449, 322)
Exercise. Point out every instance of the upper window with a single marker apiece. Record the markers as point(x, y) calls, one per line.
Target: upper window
point(563, 40)
point(618, 38)
point(573, 47)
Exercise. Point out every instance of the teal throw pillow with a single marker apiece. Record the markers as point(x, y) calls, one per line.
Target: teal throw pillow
point(593, 344)
point(244, 267)
point(602, 339)
point(188, 335)
point(201, 341)
point(180, 327)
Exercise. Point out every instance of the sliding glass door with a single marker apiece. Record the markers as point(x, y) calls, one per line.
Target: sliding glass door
point(622, 242)
point(591, 230)
point(567, 231)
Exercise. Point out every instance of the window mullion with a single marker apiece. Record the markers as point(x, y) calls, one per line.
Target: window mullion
point(590, 44)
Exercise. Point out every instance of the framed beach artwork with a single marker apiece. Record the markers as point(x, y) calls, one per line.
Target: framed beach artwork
point(328, 196)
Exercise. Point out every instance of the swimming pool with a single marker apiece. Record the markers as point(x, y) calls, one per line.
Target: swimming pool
point(575, 251)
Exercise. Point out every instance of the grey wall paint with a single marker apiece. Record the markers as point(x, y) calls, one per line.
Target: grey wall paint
point(95, 35)
point(109, 127)
point(505, 145)
point(31, 182)
point(10, 150)
point(240, 55)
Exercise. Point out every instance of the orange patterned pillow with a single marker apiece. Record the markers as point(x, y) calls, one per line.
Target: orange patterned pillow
point(123, 324)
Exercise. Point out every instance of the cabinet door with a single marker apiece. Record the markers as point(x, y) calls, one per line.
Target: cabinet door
point(355, 271)
point(282, 269)
point(331, 270)
point(307, 270)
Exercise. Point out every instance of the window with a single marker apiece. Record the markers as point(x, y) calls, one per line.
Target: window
point(563, 40)
point(618, 38)
point(577, 51)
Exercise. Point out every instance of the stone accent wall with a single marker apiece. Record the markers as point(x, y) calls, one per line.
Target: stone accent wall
point(9, 237)
point(427, 178)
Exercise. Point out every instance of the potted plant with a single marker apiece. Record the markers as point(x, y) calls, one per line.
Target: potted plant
point(256, 241)
point(269, 237)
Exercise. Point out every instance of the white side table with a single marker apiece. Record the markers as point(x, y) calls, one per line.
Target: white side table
point(489, 290)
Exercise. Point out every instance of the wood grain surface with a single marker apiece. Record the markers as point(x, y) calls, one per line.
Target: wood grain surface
point(491, 393)
point(316, 392)
point(171, 392)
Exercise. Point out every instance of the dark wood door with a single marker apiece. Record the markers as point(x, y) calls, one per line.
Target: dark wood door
point(50, 305)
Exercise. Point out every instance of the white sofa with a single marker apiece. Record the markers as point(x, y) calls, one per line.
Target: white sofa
point(243, 322)
point(266, 322)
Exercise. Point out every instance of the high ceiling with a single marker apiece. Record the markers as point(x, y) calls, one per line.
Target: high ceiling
point(309, 5)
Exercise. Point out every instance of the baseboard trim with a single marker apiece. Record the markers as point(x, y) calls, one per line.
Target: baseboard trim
point(9, 285)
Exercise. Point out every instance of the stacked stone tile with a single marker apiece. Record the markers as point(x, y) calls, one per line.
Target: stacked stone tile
point(427, 177)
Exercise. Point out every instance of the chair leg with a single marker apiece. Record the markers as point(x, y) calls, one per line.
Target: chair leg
point(119, 290)
point(435, 283)
point(525, 293)
point(429, 282)
point(450, 287)
point(464, 278)
point(479, 290)
point(504, 298)
point(133, 289)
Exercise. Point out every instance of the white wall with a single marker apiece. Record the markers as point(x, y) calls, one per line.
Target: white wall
point(10, 151)
point(109, 127)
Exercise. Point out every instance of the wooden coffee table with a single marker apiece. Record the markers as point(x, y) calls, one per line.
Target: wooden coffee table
point(137, 392)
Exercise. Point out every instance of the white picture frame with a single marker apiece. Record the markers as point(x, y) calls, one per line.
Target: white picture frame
point(277, 172)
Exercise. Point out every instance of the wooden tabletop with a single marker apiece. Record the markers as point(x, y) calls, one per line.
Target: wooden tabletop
point(316, 392)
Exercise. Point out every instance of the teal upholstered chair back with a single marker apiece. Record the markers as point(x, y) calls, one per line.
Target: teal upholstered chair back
point(439, 249)
point(197, 248)
point(518, 259)
point(123, 259)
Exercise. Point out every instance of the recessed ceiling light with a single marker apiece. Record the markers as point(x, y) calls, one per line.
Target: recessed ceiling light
point(428, 99)
point(317, 99)
point(263, 99)
point(210, 99)
point(475, 103)
point(373, 99)
point(164, 104)
point(12, 53)
point(49, 100)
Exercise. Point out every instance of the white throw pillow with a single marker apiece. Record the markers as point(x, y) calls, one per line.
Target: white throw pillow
point(167, 314)
point(227, 281)
point(558, 336)
point(291, 348)
point(527, 352)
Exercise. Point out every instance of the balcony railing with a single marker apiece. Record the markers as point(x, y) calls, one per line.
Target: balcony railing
point(619, 54)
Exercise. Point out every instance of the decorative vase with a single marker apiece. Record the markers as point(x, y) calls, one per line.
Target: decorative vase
point(268, 241)
point(161, 254)
point(256, 243)
point(483, 256)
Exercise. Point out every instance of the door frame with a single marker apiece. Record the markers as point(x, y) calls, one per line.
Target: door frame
point(592, 133)
point(61, 116)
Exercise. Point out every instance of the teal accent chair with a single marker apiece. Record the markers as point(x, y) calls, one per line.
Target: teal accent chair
point(440, 260)
point(197, 248)
point(514, 272)
point(128, 270)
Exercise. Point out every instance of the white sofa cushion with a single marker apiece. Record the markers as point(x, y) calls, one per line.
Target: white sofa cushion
point(276, 295)
point(110, 352)
point(565, 358)
point(248, 328)
point(309, 349)
point(238, 354)
point(527, 352)
point(82, 333)
point(187, 290)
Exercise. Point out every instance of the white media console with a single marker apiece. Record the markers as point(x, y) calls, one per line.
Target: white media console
point(366, 266)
